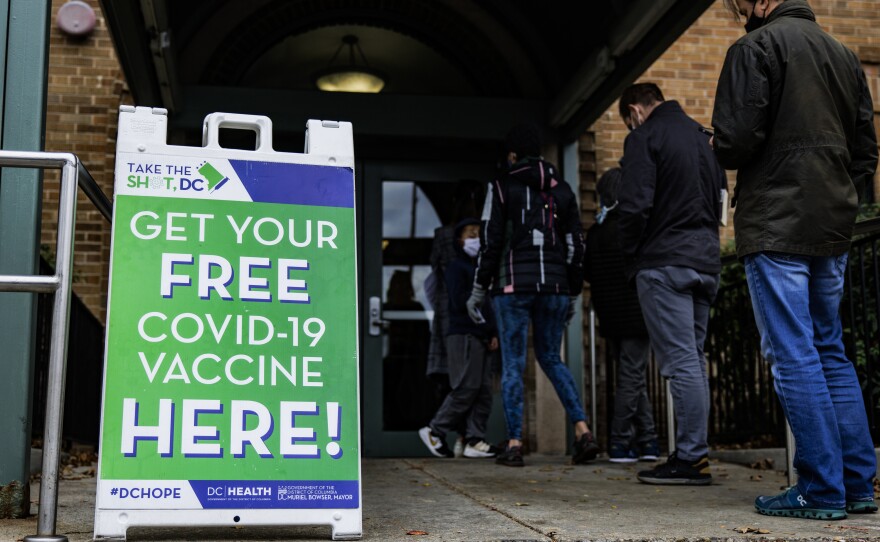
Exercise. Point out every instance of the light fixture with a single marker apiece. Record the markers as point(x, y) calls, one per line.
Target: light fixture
point(350, 77)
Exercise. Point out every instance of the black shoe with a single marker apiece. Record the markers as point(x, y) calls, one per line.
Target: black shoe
point(511, 457)
point(679, 472)
point(585, 449)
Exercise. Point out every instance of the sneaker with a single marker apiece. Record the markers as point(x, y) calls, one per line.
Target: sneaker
point(861, 507)
point(649, 451)
point(679, 472)
point(458, 448)
point(621, 453)
point(511, 457)
point(480, 448)
point(791, 504)
point(585, 449)
point(436, 445)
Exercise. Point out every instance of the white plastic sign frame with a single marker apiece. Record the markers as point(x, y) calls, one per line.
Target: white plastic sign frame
point(231, 393)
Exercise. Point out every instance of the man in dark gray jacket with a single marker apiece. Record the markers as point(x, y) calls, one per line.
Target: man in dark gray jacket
point(794, 116)
point(669, 210)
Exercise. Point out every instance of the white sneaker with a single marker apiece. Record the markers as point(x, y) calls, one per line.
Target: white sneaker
point(479, 450)
point(434, 444)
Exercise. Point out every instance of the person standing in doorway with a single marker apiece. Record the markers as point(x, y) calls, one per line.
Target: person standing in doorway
point(668, 222)
point(531, 260)
point(794, 116)
point(621, 323)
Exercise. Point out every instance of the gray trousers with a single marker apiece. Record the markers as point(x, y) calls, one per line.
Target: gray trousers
point(675, 302)
point(633, 420)
point(470, 400)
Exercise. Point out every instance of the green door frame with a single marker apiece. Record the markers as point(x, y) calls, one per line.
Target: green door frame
point(24, 59)
point(376, 441)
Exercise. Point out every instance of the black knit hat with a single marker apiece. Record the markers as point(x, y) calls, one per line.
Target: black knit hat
point(466, 222)
point(607, 186)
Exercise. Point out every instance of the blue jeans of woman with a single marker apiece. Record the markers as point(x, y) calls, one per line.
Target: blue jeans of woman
point(547, 314)
point(796, 300)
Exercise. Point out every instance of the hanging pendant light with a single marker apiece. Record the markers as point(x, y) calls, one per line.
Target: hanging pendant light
point(351, 77)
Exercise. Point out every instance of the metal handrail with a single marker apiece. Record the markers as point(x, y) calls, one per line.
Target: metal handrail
point(73, 174)
point(93, 191)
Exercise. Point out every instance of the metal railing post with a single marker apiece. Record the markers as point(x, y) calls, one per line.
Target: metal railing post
point(60, 285)
point(593, 419)
point(670, 417)
point(57, 357)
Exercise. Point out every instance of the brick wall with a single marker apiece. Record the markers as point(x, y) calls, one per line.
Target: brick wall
point(85, 91)
point(688, 72)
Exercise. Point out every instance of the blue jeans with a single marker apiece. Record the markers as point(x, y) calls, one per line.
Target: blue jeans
point(547, 313)
point(796, 301)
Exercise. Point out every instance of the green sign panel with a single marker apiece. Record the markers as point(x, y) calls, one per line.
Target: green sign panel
point(231, 377)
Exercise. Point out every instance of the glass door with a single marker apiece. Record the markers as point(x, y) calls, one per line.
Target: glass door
point(403, 206)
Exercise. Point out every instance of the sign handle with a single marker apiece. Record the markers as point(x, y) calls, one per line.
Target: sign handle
point(235, 121)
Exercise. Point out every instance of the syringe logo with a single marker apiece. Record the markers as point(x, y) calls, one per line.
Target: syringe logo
point(215, 178)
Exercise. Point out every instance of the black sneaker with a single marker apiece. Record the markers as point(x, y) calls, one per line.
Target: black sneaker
point(649, 451)
point(436, 445)
point(679, 472)
point(585, 449)
point(511, 457)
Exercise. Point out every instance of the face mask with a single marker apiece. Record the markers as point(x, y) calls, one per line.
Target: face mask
point(754, 21)
point(472, 247)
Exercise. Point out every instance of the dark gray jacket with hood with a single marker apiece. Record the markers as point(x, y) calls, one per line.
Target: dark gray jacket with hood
point(793, 114)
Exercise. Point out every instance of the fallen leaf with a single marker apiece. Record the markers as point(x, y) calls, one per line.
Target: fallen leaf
point(618, 477)
point(417, 533)
point(427, 484)
point(762, 531)
point(614, 507)
point(756, 478)
point(521, 504)
point(597, 471)
point(532, 482)
point(546, 469)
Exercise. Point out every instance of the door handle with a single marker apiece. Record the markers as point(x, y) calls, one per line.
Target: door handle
point(377, 324)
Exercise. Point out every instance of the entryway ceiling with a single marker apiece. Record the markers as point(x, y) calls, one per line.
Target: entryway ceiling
point(568, 60)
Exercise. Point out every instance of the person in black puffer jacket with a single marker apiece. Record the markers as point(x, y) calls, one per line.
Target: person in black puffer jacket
point(531, 260)
point(794, 116)
point(633, 436)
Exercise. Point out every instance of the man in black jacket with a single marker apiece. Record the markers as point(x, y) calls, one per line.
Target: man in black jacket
point(669, 210)
point(531, 259)
point(793, 114)
point(633, 437)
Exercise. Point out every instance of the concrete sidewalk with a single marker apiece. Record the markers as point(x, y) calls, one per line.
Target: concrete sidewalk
point(548, 500)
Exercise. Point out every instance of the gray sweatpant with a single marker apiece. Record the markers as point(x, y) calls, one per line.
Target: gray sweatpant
point(675, 302)
point(471, 397)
